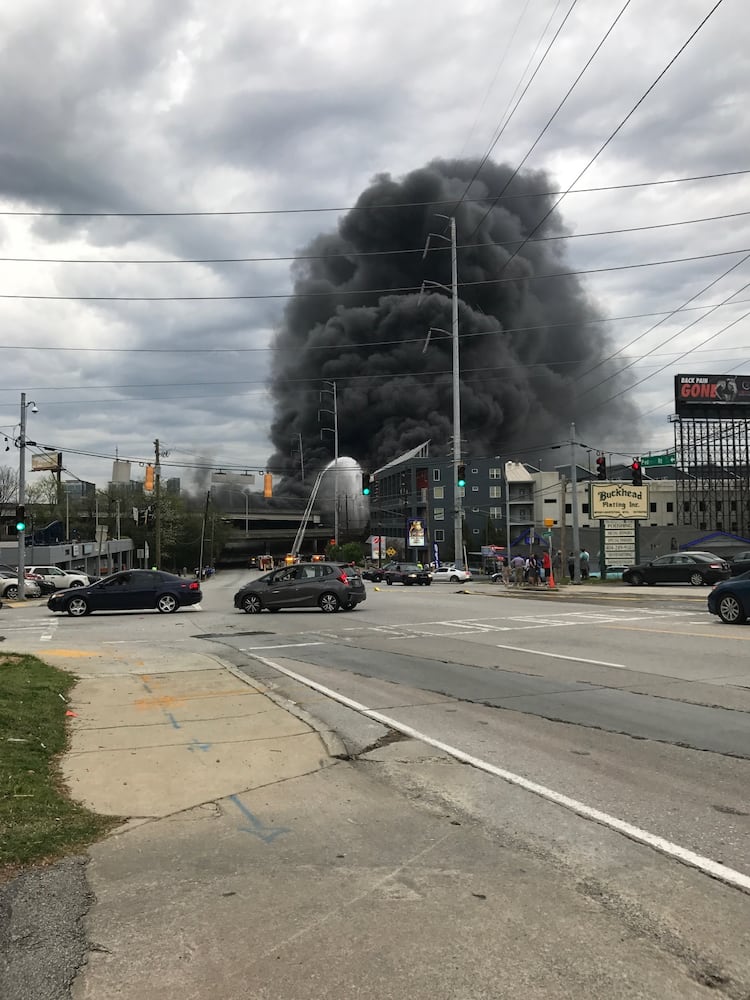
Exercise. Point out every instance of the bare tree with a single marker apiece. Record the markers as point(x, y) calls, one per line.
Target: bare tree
point(43, 490)
point(8, 484)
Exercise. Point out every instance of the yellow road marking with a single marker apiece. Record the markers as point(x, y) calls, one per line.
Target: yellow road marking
point(667, 631)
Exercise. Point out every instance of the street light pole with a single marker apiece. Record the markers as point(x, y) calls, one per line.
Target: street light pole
point(574, 507)
point(22, 496)
point(458, 539)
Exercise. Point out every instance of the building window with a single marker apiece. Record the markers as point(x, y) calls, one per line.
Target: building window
point(733, 505)
point(670, 507)
point(436, 475)
point(584, 508)
point(652, 508)
point(718, 505)
point(701, 505)
point(439, 513)
point(686, 506)
point(568, 508)
point(496, 473)
point(475, 531)
point(439, 492)
point(439, 535)
point(496, 513)
point(496, 492)
point(550, 500)
point(474, 489)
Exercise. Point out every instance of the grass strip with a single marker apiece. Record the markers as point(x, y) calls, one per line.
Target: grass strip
point(38, 820)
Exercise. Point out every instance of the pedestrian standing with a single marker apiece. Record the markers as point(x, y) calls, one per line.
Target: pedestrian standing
point(546, 564)
point(571, 566)
point(584, 557)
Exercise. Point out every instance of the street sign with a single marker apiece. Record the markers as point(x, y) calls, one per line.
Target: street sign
point(390, 552)
point(650, 461)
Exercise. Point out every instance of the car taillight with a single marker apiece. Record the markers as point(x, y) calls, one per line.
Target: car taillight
point(343, 577)
point(194, 585)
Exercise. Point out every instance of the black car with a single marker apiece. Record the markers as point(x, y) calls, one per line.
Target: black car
point(696, 568)
point(730, 600)
point(740, 563)
point(132, 590)
point(408, 574)
point(303, 585)
point(376, 574)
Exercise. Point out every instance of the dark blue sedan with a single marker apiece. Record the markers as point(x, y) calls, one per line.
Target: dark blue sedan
point(730, 599)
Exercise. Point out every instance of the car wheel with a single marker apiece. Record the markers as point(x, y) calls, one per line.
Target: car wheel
point(12, 592)
point(731, 611)
point(252, 604)
point(389, 581)
point(696, 579)
point(76, 583)
point(78, 607)
point(427, 583)
point(636, 579)
point(167, 603)
point(454, 579)
point(328, 602)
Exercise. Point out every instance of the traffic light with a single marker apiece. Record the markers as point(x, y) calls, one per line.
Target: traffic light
point(267, 485)
point(148, 484)
point(601, 467)
point(461, 476)
point(636, 473)
point(366, 484)
point(20, 519)
point(404, 487)
point(150, 517)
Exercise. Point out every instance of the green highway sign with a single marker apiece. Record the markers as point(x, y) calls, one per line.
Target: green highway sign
point(649, 461)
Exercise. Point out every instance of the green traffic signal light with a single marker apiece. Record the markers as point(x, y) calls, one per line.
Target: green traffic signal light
point(461, 477)
point(20, 519)
point(365, 484)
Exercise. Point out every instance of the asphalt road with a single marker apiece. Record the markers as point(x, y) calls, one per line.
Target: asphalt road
point(594, 726)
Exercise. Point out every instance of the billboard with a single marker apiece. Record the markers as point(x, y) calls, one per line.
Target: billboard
point(120, 471)
point(618, 500)
point(416, 532)
point(46, 463)
point(712, 395)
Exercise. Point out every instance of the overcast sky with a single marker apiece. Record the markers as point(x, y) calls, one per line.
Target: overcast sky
point(188, 106)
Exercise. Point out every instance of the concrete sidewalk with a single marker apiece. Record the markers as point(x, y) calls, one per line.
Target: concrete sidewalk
point(151, 745)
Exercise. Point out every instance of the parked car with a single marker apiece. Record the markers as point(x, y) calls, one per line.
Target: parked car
point(408, 574)
point(696, 568)
point(61, 579)
point(740, 563)
point(304, 585)
point(133, 590)
point(450, 574)
point(9, 587)
point(45, 586)
point(730, 599)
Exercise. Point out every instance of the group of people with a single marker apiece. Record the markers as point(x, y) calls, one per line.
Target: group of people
point(533, 570)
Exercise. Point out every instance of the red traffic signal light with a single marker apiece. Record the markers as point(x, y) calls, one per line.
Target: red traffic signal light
point(636, 473)
point(601, 467)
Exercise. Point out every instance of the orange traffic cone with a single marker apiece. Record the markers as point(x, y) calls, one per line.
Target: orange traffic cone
point(551, 579)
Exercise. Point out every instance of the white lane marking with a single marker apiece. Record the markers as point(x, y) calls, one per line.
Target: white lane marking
point(284, 645)
point(560, 656)
point(682, 854)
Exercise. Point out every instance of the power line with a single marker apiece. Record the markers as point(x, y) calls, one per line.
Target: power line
point(615, 132)
point(368, 208)
point(369, 253)
point(336, 292)
point(559, 107)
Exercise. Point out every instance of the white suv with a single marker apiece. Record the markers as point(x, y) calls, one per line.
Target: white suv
point(61, 578)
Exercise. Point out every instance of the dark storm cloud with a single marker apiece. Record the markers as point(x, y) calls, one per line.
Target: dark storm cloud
point(518, 388)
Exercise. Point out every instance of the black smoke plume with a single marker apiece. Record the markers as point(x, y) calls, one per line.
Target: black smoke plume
point(524, 343)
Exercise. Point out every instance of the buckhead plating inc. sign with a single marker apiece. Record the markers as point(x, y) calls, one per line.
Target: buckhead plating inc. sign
point(618, 500)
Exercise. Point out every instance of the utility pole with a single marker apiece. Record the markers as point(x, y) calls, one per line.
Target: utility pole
point(563, 554)
point(335, 412)
point(117, 517)
point(574, 507)
point(458, 542)
point(22, 498)
point(157, 498)
point(203, 534)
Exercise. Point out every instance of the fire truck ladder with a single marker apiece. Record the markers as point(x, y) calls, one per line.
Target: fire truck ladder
point(306, 516)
